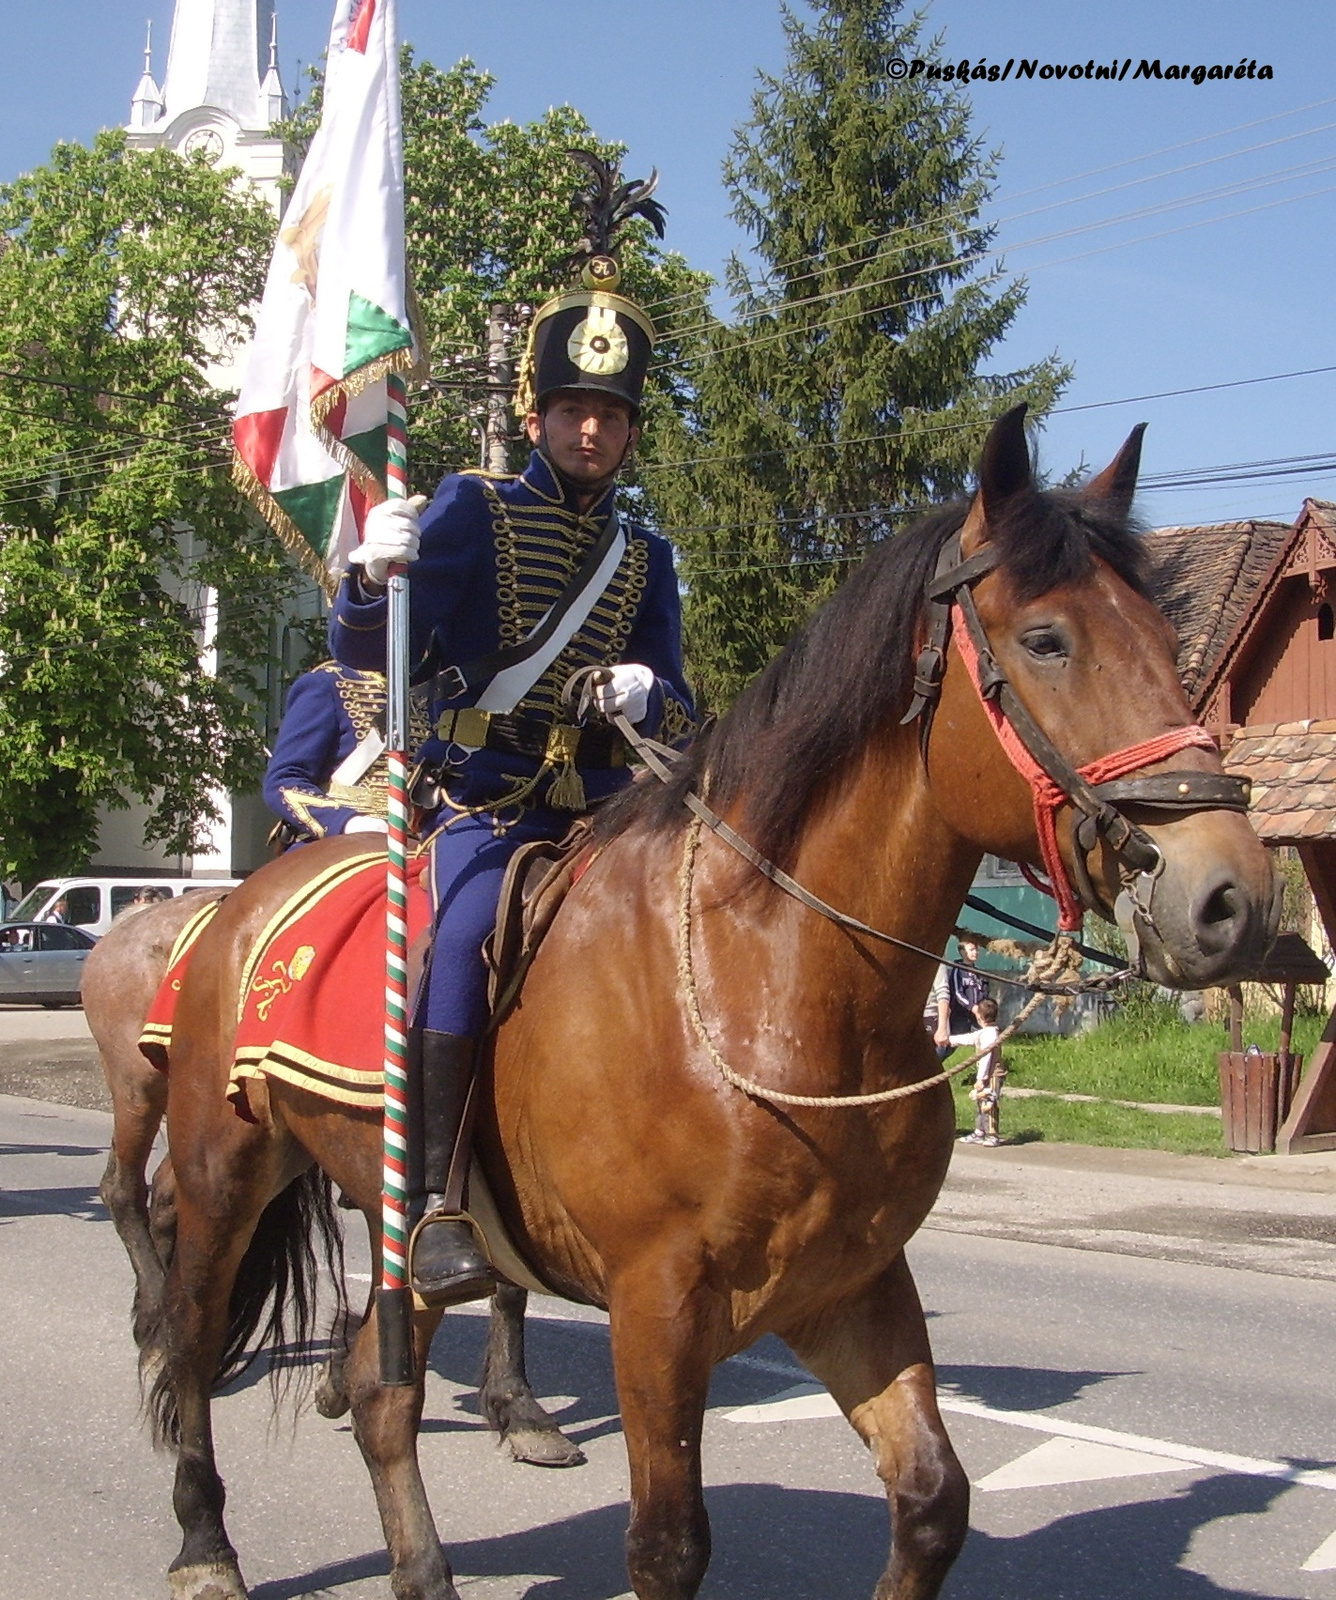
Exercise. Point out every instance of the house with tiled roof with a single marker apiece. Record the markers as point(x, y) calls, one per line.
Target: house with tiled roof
point(1254, 604)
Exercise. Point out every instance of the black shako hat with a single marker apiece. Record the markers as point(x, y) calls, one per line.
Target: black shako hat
point(592, 337)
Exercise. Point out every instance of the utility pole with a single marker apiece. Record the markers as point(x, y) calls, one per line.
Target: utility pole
point(500, 389)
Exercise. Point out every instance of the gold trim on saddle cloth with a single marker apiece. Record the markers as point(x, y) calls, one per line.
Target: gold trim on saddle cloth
point(296, 906)
point(329, 1080)
point(160, 1033)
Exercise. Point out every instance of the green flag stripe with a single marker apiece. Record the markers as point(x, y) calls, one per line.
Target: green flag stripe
point(313, 507)
point(371, 333)
point(372, 449)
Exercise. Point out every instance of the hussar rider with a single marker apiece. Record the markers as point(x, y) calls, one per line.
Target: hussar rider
point(516, 583)
point(327, 773)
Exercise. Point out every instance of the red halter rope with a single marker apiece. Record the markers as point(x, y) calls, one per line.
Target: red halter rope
point(1050, 797)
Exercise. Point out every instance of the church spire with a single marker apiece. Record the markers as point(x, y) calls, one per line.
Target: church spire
point(274, 103)
point(147, 105)
point(217, 58)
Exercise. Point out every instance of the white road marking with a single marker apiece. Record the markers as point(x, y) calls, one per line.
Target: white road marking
point(1323, 1559)
point(1075, 1461)
point(805, 1401)
point(1191, 1455)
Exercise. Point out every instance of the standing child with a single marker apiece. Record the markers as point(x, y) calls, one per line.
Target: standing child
point(987, 1090)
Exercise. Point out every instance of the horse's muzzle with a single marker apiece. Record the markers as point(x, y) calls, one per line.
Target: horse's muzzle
point(1215, 908)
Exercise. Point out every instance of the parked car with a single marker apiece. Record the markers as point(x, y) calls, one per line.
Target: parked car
point(41, 963)
point(91, 903)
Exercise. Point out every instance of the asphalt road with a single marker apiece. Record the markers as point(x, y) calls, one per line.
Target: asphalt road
point(1135, 1424)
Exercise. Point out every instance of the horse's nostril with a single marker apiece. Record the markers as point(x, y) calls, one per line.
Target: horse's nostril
point(1218, 916)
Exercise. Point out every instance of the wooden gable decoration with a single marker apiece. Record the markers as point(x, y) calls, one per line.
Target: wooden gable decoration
point(1279, 665)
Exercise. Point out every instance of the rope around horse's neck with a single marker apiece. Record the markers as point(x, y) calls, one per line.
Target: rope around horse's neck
point(1041, 974)
point(687, 978)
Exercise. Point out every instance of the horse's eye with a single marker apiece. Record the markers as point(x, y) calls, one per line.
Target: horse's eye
point(1044, 643)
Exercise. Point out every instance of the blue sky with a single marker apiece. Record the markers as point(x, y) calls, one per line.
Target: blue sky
point(1184, 292)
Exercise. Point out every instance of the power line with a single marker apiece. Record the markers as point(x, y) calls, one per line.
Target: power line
point(960, 427)
point(1058, 183)
point(956, 263)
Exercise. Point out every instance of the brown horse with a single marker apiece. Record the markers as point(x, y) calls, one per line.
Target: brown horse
point(631, 1173)
point(121, 977)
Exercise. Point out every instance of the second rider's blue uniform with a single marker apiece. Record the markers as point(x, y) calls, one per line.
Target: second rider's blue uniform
point(496, 552)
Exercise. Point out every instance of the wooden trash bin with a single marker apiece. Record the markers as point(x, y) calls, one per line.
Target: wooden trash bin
point(1256, 1090)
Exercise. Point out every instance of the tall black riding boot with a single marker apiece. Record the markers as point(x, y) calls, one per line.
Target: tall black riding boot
point(445, 1263)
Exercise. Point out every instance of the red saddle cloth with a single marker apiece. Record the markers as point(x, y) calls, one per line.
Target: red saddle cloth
point(312, 991)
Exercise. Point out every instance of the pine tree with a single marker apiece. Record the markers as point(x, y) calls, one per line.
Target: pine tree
point(847, 389)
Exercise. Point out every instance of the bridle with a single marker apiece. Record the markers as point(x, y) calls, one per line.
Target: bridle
point(1095, 792)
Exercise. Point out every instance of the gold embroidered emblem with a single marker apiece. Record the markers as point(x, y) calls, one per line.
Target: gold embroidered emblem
point(303, 239)
point(286, 974)
point(598, 344)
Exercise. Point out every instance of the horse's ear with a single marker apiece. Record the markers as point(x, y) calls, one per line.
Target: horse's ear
point(1116, 486)
point(1004, 472)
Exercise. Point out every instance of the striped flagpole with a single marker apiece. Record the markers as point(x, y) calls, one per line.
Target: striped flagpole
point(394, 1303)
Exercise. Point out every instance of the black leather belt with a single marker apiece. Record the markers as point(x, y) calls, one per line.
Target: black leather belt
point(527, 736)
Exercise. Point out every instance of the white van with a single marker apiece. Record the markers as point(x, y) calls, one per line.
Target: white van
point(91, 903)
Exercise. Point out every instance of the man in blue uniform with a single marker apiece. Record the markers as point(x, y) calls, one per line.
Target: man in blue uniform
point(327, 773)
point(516, 583)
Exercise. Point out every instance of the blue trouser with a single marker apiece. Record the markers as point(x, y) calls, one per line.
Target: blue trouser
point(468, 862)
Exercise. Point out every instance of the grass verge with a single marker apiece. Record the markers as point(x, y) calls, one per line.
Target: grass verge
point(1146, 1053)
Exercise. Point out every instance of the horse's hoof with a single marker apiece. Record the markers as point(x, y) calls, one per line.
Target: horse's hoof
point(207, 1580)
point(541, 1448)
point(331, 1397)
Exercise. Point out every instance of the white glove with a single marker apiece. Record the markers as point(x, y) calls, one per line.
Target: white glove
point(361, 824)
point(628, 692)
point(391, 535)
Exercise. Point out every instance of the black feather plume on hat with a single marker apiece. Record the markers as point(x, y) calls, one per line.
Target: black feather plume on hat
point(606, 204)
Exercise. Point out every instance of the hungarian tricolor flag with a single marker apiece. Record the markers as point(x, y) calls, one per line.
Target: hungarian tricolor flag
point(310, 432)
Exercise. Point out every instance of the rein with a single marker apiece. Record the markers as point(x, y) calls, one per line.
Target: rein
point(1092, 791)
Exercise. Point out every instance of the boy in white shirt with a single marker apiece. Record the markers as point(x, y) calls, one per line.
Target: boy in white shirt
point(987, 1090)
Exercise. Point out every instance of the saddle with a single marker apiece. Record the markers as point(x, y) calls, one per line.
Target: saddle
point(537, 880)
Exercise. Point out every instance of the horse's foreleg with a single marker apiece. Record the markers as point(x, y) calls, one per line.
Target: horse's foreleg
point(140, 1100)
point(505, 1397)
point(872, 1354)
point(663, 1327)
point(385, 1425)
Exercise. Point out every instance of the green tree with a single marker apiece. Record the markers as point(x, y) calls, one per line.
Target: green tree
point(122, 276)
point(488, 220)
point(848, 385)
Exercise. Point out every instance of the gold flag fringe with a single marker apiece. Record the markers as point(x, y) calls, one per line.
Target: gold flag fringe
point(287, 530)
point(402, 361)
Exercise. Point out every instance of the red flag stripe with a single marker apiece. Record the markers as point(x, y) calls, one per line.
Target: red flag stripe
point(360, 30)
point(258, 437)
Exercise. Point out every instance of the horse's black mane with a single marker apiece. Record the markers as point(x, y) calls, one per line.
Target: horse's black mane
point(789, 736)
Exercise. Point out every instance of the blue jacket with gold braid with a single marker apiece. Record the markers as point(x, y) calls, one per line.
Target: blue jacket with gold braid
point(329, 711)
point(497, 551)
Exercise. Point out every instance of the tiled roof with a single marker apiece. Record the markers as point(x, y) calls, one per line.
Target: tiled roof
point(1202, 578)
point(1292, 768)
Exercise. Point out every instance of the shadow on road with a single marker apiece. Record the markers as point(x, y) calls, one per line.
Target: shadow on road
point(810, 1545)
point(52, 1150)
point(1020, 1388)
point(81, 1202)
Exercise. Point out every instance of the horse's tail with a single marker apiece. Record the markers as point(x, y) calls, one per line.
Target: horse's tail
point(273, 1306)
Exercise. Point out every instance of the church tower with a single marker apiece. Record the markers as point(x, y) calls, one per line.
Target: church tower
point(222, 93)
point(220, 97)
